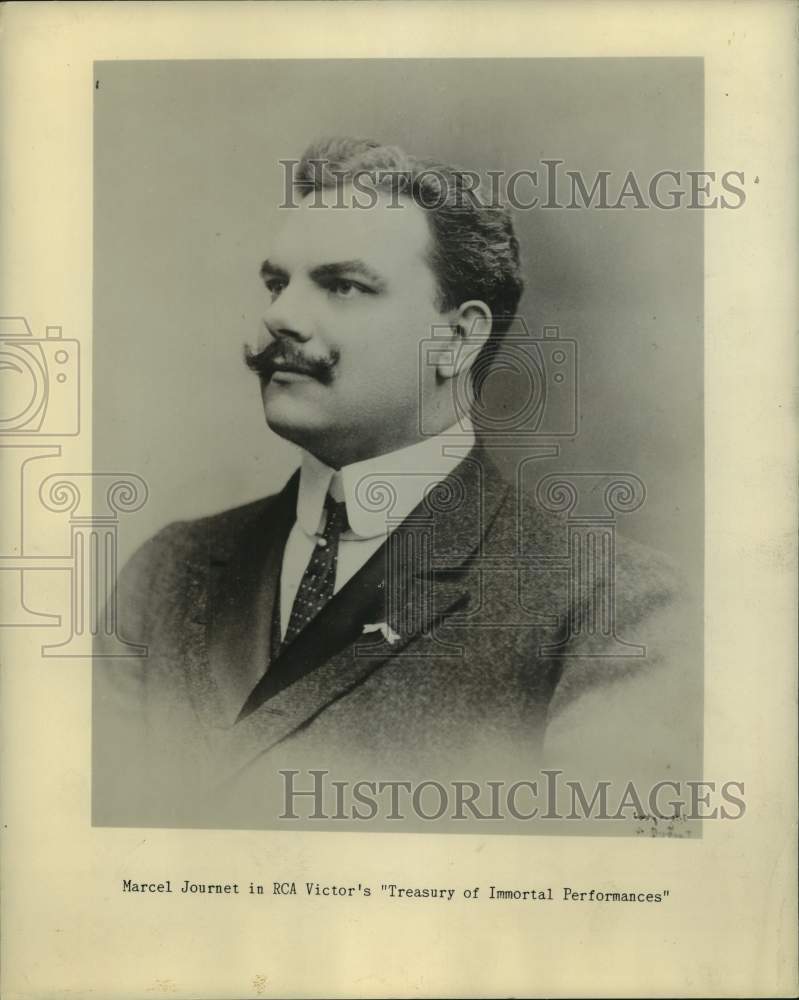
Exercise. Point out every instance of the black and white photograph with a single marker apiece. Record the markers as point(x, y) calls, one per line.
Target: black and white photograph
point(415, 388)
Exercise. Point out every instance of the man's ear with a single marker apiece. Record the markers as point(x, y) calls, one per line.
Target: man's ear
point(471, 327)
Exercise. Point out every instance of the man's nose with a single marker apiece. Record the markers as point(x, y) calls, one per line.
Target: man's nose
point(287, 317)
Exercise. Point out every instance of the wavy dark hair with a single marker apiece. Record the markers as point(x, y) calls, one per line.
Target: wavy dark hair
point(474, 252)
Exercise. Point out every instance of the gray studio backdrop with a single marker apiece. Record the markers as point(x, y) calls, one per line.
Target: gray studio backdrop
point(186, 188)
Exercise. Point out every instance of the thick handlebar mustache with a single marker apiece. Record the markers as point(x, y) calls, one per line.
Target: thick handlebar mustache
point(278, 356)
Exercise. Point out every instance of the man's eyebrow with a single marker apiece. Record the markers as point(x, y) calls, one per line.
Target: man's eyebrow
point(270, 270)
point(348, 267)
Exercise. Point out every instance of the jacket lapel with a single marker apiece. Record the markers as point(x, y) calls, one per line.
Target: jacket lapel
point(243, 578)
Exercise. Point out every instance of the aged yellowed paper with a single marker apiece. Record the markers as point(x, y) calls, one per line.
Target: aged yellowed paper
point(495, 695)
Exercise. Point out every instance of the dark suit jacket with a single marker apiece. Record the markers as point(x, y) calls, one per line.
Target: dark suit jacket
point(490, 647)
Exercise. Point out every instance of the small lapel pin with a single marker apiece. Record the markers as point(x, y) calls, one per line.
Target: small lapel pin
point(384, 629)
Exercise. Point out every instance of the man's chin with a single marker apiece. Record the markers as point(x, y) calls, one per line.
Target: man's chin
point(290, 419)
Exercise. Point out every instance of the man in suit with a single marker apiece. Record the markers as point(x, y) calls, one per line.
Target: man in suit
point(398, 607)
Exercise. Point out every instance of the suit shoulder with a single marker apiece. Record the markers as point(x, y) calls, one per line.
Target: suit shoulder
point(160, 572)
point(645, 578)
point(182, 544)
point(655, 615)
point(521, 518)
point(641, 574)
point(181, 538)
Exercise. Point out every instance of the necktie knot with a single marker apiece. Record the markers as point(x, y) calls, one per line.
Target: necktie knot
point(335, 518)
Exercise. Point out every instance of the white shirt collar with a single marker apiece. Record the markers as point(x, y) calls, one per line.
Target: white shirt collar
point(382, 490)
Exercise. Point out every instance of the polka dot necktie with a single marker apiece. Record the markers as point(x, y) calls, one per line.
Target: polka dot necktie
point(319, 578)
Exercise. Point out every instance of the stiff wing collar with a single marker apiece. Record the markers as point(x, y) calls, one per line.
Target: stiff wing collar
point(382, 490)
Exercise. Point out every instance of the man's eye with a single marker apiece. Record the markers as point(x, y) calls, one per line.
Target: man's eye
point(344, 288)
point(275, 286)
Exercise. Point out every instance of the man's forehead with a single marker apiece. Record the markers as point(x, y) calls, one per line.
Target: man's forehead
point(310, 231)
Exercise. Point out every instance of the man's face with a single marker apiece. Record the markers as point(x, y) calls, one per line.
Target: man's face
point(350, 297)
